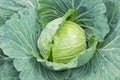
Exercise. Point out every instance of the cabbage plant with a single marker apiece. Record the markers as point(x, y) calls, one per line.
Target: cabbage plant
point(59, 39)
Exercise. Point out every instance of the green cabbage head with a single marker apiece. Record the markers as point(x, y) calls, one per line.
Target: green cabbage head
point(61, 41)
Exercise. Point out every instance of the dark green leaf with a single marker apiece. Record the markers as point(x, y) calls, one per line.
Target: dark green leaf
point(7, 70)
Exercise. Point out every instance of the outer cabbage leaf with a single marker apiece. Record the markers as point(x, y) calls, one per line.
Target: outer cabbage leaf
point(89, 14)
point(34, 3)
point(18, 40)
point(105, 65)
point(19, 34)
point(10, 7)
point(7, 70)
point(33, 70)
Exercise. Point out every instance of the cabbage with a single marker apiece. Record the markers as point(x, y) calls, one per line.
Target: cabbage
point(61, 42)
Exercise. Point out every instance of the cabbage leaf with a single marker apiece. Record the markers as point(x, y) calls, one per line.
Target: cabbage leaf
point(7, 70)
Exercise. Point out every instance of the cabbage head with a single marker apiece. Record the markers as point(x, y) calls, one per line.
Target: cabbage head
point(61, 42)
